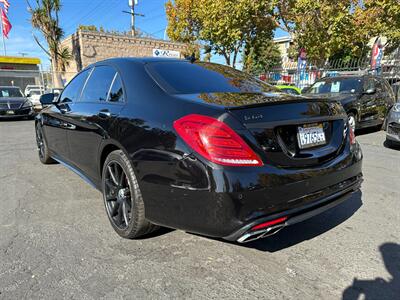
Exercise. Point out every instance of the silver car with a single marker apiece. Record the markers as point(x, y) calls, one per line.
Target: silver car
point(392, 125)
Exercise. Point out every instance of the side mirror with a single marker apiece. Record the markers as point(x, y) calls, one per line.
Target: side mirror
point(370, 91)
point(47, 99)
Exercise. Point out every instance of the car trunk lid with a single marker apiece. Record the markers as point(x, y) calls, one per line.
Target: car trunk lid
point(279, 124)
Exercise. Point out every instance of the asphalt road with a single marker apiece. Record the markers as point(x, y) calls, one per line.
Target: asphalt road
point(56, 241)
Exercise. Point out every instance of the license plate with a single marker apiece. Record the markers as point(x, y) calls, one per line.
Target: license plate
point(10, 112)
point(310, 136)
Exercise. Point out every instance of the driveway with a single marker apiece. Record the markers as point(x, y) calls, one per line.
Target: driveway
point(56, 241)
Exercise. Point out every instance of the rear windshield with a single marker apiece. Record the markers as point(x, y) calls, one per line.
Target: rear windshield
point(6, 92)
point(187, 78)
point(337, 85)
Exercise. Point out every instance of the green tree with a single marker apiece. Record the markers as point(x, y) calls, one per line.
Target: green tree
point(224, 26)
point(379, 18)
point(264, 56)
point(44, 17)
point(338, 29)
point(322, 27)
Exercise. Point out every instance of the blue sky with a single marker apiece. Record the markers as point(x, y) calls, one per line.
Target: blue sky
point(106, 13)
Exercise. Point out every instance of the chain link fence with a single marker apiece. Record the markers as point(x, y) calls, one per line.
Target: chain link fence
point(288, 74)
point(44, 80)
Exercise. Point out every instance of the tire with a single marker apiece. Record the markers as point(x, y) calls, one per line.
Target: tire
point(352, 120)
point(43, 150)
point(123, 200)
point(391, 144)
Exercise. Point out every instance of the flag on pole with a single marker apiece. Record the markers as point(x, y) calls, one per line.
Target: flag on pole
point(6, 5)
point(6, 23)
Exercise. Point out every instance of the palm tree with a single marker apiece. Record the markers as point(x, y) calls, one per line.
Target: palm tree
point(44, 17)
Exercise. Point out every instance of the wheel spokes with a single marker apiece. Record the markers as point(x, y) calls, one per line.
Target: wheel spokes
point(114, 209)
point(117, 195)
point(121, 178)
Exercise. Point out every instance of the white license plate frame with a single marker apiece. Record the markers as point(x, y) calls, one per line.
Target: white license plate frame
point(310, 135)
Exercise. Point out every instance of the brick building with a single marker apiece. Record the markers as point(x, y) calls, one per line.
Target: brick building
point(88, 47)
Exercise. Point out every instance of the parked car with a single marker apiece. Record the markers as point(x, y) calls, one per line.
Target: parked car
point(33, 87)
point(392, 126)
point(199, 147)
point(289, 89)
point(13, 103)
point(55, 91)
point(367, 99)
point(34, 96)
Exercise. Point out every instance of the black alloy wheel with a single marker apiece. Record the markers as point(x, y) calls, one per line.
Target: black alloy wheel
point(122, 197)
point(43, 150)
point(118, 195)
point(39, 142)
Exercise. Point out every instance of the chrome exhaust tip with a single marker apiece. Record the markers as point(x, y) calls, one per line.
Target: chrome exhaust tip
point(259, 234)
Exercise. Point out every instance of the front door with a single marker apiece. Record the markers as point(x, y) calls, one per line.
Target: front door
point(56, 121)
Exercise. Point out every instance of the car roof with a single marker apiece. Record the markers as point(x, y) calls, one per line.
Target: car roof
point(142, 60)
point(351, 76)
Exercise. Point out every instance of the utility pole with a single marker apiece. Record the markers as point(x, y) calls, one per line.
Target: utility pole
point(132, 4)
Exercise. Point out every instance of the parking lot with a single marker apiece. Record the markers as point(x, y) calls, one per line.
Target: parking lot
point(56, 241)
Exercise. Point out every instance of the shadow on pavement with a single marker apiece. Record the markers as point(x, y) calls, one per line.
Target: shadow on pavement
point(379, 288)
point(368, 130)
point(311, 228)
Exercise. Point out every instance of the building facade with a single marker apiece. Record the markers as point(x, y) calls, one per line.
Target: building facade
point(88, 47)
point(19, 71)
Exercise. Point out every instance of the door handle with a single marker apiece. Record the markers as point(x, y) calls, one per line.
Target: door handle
point(67, 126)
point(104, 113)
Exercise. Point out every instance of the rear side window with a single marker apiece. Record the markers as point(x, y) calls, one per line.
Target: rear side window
point(116, 91)
point(98, 84)
point(73, 89)
point(187, 78)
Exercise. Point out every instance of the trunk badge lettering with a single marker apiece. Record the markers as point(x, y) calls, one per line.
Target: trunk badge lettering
point(253, 117)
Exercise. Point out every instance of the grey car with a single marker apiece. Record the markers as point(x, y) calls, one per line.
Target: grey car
point(392, 125)
point(13, 103)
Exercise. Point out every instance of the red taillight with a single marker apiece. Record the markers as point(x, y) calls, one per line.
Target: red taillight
point(215, 141)
point(352, 136)
point(269, 223)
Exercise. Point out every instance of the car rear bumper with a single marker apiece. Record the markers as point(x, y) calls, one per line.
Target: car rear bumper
point(344, 191)
point(236, 198)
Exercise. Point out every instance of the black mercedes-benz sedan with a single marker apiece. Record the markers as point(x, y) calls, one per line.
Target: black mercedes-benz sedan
point(367, 99)
point(13, 104)
point(199, 147)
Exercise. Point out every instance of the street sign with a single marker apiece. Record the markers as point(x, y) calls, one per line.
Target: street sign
point(166, 53)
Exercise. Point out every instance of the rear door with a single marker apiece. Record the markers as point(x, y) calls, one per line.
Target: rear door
point(92, 117)
point(56, 120)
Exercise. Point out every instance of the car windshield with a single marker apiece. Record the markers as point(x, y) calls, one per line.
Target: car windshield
point(6, 92)
point(187, 78)
point(35, 92)
point(336, 85)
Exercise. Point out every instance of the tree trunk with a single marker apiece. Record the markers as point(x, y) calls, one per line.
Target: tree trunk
point(234, 59)
point(227, 58)
point(56, 75)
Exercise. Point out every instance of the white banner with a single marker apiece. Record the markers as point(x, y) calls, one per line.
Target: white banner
point(166, 53)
